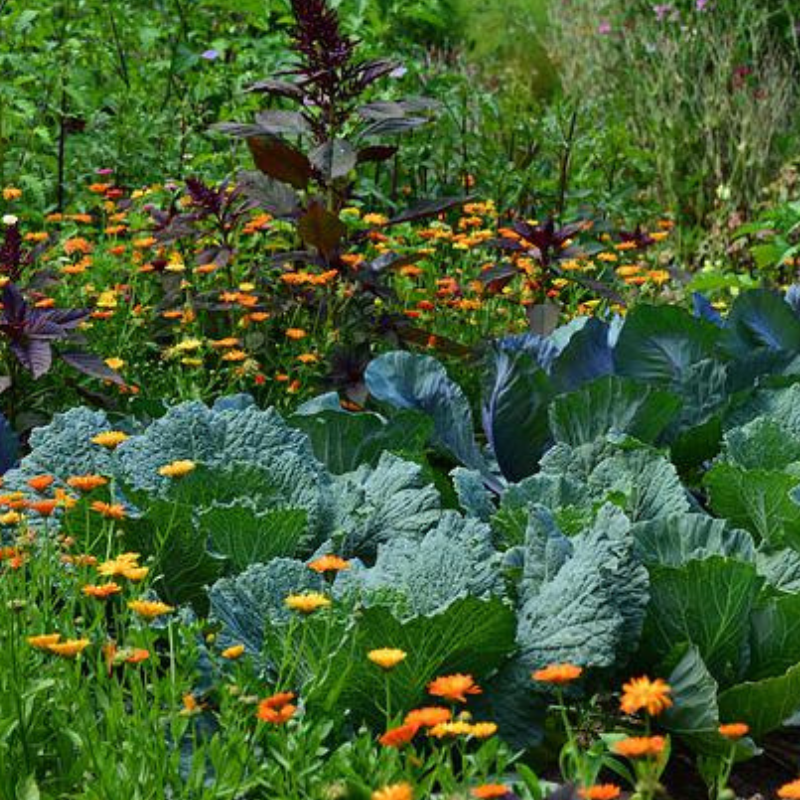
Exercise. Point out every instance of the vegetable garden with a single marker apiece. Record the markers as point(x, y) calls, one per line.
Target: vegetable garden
point(400, 401)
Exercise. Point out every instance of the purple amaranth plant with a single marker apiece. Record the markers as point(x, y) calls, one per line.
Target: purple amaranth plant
point(31, 334)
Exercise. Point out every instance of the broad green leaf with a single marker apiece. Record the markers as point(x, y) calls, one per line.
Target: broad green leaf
point(659, 343)
point(611, 405)
point(763, 443)
point(246, 536)
point(706, 603)
point(761, 319)
point(758, 500)
point(775, 637)
point(675, 539)
point(764, 705)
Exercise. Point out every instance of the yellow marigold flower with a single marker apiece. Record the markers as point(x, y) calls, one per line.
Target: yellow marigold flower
point(386, 657)
point(456, 728)
point(110, 439)
point(734, 730)
point(454, 687)
point(658, 276)
point(10, 518)
point(329, 563)
point(43, 640)
point(640, 746)
point(375, 219)
point(642, 693)
point(233, 652)
point(394, 791)
point(149, 608)
point(308, 358)
point(115, 363)
point(69, 648)
point(11, 193)
point(558, 673)
point(234, 355)
point(120, 566)
point(307, 603)
point(177, 469)
point(483, 730)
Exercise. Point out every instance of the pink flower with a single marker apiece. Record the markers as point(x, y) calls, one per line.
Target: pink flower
point(604, 28)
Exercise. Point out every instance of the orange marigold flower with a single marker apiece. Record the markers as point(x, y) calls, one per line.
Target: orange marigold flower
point(640, 746)
point(135, 656)
point(40, 482)
point(43, 507)
point(69, 648)
point(394, 791)
point(295, 333)
point(387, 657)
point(77, 245)
point(233, 652)
point(102, 590)
point(734, 730)
point(490, 790)
point(329, 563)
point(109, 510)
point(149, 608)
point(642, 693)
point(600, 791)
point(428, 717)
point(558, 673)
point(43, 640)
point(454, 687)
point(86, 483)
point(277, 709)
point(399, 736)
point(790, 791)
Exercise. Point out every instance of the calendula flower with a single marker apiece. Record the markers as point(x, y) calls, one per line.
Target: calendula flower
point(490, 790)
point(307, 603)
point(277, 709)
point(177, 469)
point(135, 656)
point(43, 640)
point(86, 483)
point(790, 791)
point(456, 728)
point(642, 693)
point(558, 674)
point(394, 791)
point(454, 687)
point(110, 439)
point(640, 746)
point(399, 736)
point(10, 518)
point(149, 608)
point(109, 510)
point(43, 507)
point(428, 717)
point(233, 652)
point(126, 566)
point(115, 363)
point(734, 730)
point(69, 648)
point(190, 706)
point(40, 482)
point(101, 591)
point(296, 333)
point(600, 791)
point(12, 193)
point(329, 563)
point(386, 657)
point(483, 730)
